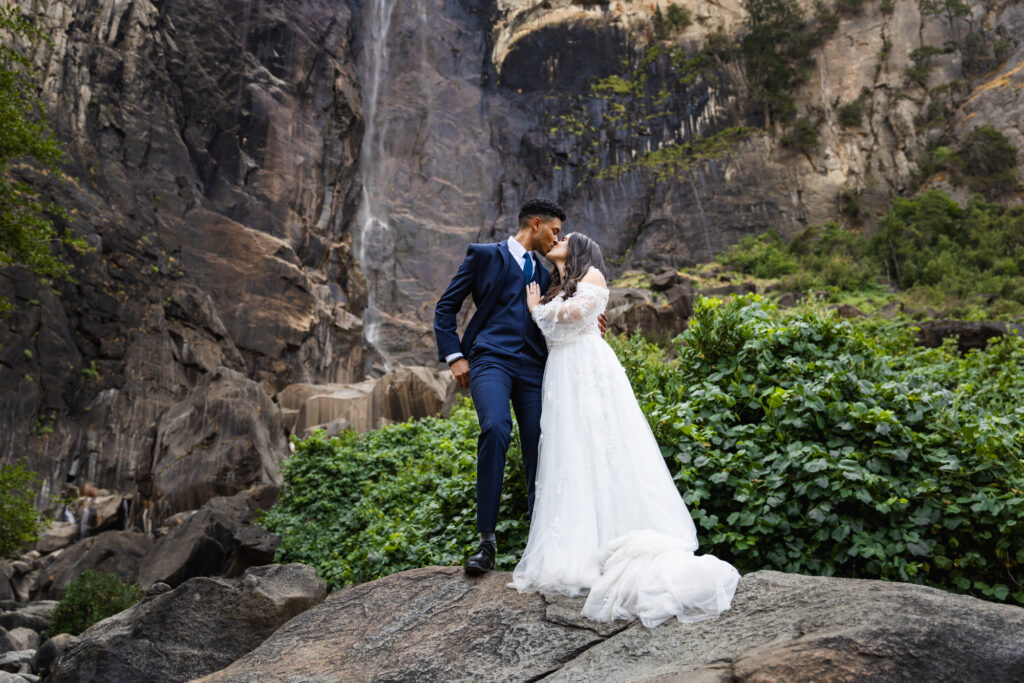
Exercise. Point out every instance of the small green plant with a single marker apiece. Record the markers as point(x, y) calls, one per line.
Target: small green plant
point(852, 113)
point(90, 598)
point(801, 137)
point(20, 523)
point(675, 18)
point(90, 374)
point(988, 162)
point(851, 206)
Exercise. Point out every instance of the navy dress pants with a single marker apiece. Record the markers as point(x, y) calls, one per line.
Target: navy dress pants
point(493, 381)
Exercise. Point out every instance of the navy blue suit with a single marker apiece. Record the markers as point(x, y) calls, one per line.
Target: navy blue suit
point(506, 354)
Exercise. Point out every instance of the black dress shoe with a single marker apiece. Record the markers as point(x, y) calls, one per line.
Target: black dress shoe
point(483, 560)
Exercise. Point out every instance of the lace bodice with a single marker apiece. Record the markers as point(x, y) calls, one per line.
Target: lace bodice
point(562, 321)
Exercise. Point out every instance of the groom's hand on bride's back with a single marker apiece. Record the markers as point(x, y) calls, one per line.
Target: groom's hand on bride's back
point(460, 369)
point(602, 323)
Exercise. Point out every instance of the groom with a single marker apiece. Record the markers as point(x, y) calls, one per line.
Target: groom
point(501, 355)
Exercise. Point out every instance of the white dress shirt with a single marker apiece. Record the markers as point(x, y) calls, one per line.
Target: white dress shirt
point(518, 252)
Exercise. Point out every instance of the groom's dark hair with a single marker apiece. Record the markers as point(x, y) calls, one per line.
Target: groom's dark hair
point(540, 207)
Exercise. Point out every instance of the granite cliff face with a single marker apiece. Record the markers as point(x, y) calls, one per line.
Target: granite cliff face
point(277, 194)
point(212, 153)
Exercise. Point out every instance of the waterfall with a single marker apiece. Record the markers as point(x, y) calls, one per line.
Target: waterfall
point(124, 512)
point(374, 231)
point(83, 524)
point(67, 515)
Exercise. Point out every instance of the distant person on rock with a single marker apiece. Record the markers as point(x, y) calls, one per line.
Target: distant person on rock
point(501, 355)
point(608, 517)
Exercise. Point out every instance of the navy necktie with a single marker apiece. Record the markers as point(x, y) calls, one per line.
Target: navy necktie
point(528, 267)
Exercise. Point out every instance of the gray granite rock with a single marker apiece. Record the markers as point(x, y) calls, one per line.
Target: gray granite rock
point(435, 624)
point(200, 626)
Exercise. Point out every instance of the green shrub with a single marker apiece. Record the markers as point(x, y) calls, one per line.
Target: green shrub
point(988, 162)
point(802, 136)
point(764, 255)
point(20, 523)
point(851, 113)
point(931, 241)
point(403, 496)
point(90, 598)
point(809, 444)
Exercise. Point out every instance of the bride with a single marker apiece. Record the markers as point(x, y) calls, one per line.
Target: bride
point(607, 516)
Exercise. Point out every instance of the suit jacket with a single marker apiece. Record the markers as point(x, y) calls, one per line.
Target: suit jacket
point(483, 274)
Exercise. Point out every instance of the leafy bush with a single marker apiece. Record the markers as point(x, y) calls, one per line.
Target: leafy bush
point(809, 444)
point(26, 222)
point(851, 113)
point(764, 255)
point(802, 136)
point(402, 496)
point(90, 598)
point(20, 523)
point(932, 242)
point(675, 18)
point(988, 161)
point(818, 257)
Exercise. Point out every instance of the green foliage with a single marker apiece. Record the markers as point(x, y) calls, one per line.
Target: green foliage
point(26, 222)
point(777, 51)
point(851, 206)
point(852, 113)
point(932, 242)
point(20, 523)
point(764, 255)
point(802, 136)
point(800, 442)
point(853, 8)
point(672, 161)
point(988, 161)
point(675, 18)
point(809, 444)
point(90, 598)
point(401, 496)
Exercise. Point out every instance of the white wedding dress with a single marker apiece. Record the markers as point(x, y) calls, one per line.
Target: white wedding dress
point(607, 515)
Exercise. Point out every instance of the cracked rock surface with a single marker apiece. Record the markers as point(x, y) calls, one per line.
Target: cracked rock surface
point(435, 624)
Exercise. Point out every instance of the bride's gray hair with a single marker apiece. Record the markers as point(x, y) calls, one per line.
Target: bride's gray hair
point(583, 253)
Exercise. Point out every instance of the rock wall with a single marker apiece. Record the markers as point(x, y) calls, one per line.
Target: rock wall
point(211, 165)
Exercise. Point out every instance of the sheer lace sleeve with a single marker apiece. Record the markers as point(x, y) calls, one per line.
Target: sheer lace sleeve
point(561, 319)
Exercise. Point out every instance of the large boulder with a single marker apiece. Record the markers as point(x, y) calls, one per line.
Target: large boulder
point(197, 628)
point(435, 624)
point(660, 317)
point(199, 546)
point(969, 334)
point(59, 535)
point(119, 552)
point(224, 437)
point(405, 392)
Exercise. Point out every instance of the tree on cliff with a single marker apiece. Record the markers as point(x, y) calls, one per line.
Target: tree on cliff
point(777, 53)
point(26, 221)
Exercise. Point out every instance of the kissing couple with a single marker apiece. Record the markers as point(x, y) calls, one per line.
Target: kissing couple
point(605, 516)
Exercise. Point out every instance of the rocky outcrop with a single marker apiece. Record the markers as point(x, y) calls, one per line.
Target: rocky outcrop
point(118, 552)
point(224, 437)
point(219, 539)
point(435, 624)
point(400, 394)
point(212, 167)
point(969, 334)
point(195, 629)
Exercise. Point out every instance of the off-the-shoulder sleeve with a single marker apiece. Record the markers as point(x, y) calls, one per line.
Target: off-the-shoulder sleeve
point(560, 319)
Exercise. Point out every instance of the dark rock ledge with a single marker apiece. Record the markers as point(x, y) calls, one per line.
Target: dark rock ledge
point(434, 624)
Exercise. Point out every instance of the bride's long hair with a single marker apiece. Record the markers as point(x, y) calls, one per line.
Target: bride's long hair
point(583, 253)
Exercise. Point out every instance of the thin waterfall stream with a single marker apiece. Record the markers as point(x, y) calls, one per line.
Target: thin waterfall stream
point(374, 232)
